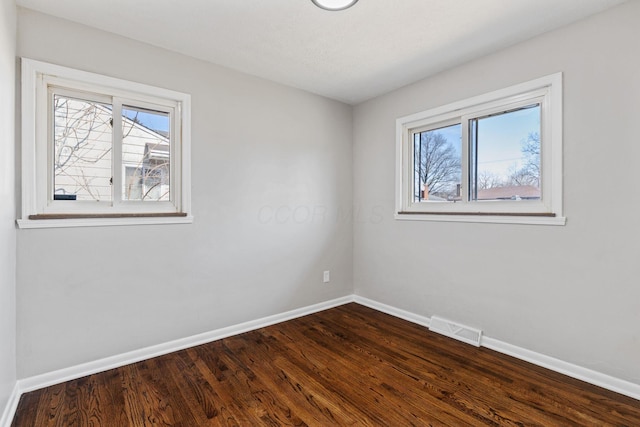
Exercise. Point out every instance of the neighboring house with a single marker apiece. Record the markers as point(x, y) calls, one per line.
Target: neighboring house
point(83, 148)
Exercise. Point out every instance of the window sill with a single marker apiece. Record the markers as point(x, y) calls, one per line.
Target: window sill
point(496, 218)
point(58, 221)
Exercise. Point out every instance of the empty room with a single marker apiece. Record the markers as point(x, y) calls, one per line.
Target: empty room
point(319, 212)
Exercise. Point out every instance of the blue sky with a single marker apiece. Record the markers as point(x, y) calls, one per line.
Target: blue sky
point(154, 120)
point(500, 139)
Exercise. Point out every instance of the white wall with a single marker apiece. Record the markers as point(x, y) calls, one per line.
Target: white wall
point(569, 292)
point(257, 146)
point(7, 202)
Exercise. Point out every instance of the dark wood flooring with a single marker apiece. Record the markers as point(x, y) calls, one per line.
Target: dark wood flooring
point(346, 366)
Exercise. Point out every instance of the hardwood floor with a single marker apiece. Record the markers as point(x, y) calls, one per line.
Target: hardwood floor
point(346, 366)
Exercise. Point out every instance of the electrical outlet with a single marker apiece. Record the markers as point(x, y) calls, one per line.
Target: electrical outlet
point(326, 277)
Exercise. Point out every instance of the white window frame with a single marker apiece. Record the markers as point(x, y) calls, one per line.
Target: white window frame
point(39, 81)
point(546, 91)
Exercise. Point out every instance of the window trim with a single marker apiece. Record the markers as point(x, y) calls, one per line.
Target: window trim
point(36, 78)
point(545, 90)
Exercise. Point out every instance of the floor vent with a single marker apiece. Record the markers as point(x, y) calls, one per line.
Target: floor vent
point(455, 330)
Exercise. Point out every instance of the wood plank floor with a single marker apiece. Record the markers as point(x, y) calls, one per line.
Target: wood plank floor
point(346, 366)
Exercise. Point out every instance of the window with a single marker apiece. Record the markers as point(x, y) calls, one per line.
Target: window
point(101, 151)
point(492, 158)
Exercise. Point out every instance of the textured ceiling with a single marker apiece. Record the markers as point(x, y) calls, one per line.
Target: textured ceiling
point(352, 55)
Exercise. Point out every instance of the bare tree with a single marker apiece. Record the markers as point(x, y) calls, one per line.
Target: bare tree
point(439, 164)
point(521, 177)
point(487, 179)
point(529, 173)
point(82, 135)
point(83, 153)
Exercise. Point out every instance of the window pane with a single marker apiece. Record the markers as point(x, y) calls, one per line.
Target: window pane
point(505, 155)
point(437, 164)
point(145, 154)
point(81, 150)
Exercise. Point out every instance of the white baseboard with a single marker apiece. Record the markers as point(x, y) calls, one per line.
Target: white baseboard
point(47, 379)
point(56, 377)
point(10, 408)
point(569, 369)
point(396, 312)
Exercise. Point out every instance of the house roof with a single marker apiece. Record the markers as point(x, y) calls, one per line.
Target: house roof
point(509, 192)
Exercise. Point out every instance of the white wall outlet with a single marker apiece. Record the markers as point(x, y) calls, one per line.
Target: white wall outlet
point(326, 276)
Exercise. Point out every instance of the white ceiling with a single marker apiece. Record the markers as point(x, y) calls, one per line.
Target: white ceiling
point(351, 55)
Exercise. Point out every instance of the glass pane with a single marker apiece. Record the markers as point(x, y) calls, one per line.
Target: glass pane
point(81, 150)
point(505, 155)
point(437, 164)
point(145, 154)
